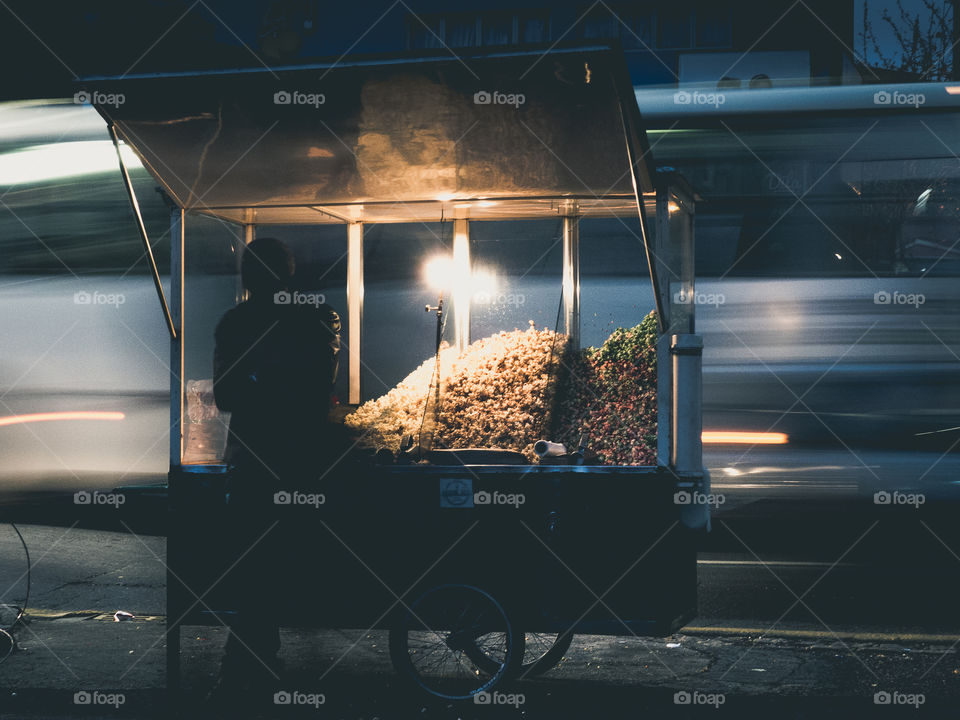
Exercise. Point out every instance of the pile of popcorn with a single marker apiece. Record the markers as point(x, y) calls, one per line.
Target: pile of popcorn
point(611, 396)
point(499, 393)
point(511, 389)
point(387, 420)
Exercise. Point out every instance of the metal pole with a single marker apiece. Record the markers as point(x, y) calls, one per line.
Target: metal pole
point(142, 230)
point(634, 160)
point(665, 371)
point(664, 249)
point(686, 452)
point(571, 278)
point(249, 234)
point(462, 292)
point(176, 336)
point(174, 596)
point(354, 306)
point(664, 401)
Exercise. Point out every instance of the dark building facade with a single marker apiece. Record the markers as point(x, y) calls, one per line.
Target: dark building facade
point(665, 42)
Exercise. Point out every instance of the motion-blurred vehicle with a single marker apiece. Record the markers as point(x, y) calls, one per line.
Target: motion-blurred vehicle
point(830, 217)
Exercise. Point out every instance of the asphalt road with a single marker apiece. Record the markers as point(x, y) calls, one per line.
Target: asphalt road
point(854, 564)
point(868, 608)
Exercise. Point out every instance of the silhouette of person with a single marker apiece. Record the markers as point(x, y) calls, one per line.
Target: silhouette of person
point(275, 361)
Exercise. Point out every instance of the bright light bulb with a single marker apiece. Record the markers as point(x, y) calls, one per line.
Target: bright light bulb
point(438, 272)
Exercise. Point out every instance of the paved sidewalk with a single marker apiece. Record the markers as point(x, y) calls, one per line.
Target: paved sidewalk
point(123, 663)
point(81, 577)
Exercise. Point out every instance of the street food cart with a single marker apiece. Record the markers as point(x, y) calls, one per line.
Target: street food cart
point(606, 549)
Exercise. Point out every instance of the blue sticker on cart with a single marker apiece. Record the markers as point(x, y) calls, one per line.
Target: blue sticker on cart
point(456, 493)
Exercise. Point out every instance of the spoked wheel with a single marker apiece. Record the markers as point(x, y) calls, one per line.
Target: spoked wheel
point(439, 639)
point(542, 651)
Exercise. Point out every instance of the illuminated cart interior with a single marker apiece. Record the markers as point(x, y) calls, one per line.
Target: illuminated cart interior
point(418, 140)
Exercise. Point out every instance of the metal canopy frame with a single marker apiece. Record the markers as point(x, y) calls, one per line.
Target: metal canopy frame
point(401, 136)
point(212, 141)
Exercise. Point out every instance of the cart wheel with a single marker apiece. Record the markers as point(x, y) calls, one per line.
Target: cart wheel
point(542, 652)
point(435, 637)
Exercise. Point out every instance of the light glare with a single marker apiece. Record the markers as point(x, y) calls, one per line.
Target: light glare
point(69, 415)
point(438, 272)
point(55, 161)
point(743, 438)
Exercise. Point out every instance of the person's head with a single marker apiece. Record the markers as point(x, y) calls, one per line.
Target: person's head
point(266, 267)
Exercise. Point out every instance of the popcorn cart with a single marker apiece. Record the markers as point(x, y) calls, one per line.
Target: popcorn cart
point(435, 546)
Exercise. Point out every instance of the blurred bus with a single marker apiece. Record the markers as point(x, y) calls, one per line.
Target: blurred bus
point(827, 255)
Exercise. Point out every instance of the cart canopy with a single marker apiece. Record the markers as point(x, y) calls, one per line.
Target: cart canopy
point(399, 139)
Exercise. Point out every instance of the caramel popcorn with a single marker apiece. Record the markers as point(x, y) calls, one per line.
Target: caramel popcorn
point(498, 393)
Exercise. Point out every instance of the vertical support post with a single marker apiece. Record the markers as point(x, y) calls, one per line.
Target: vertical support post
point(664, 401)
point(686, 451)
point(176, 343)
point(571, 275)
point(249, 234)
point(176, 443)
point(673, 244)
point(675, 202)
point(675, 251)
point(354, 307)
point(462, 290)
point(666, 264)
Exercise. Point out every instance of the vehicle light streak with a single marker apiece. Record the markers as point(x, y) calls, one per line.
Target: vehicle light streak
point(743, 438)
point(67, 415)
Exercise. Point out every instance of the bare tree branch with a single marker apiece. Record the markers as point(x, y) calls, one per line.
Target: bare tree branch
point(923, 40)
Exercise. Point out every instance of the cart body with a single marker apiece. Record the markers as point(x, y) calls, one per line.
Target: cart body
point(594, 548)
